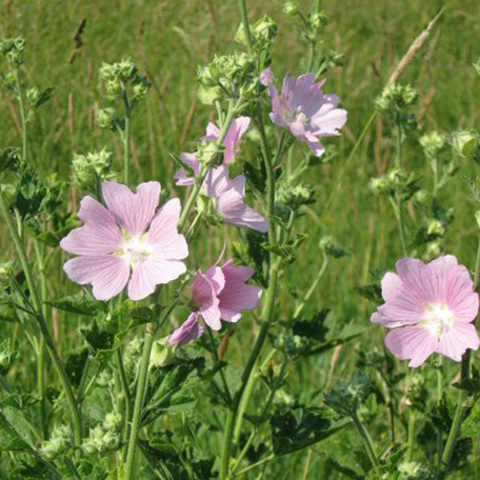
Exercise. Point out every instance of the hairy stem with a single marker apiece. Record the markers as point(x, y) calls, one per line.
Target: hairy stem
point(126, 137)
point(139, 399)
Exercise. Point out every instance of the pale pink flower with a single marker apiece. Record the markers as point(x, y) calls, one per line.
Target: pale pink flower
point(221, 293)
point(237, 129)
point(431, 308)
point(127, 242)
point(229, 197)
point(305, 109)
point(188, 332)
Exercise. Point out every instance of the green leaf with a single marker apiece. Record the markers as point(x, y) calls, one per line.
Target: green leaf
point(79, 304)
point(301, 427)
point(372, 292)
point(16, 433)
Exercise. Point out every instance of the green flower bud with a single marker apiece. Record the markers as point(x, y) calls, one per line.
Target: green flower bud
point(331, 248)
point(127, 69)
point(209, 153)
point(7, 356)
point(291, 8)
point(161, 355)
point(421, 197)
point(435, 227)
point(432, 144)
point(265, 29)
point(107, 118)
point(465, 142)
point(6, 273)
point(140, 88)
point(347, 397)
point(105, 378)
point(10, 82)
point(112, 421)
point(317, 20)
point(414, 471)
point(295, 197)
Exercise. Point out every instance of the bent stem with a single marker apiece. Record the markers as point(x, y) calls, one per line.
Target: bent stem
point(37, 305)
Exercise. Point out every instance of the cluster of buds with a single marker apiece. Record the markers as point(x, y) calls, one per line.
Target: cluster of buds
point(393, 183)
point(13, 50)
point(291, 345)
point(347, 397)
point(331, 248)
point(395, 101)
point(228, 76)
point(415, 392)
point(58, 444)
point(414, 471)
point(295, 197)
point(122, 81)
point(92, 168)
point(104, 437)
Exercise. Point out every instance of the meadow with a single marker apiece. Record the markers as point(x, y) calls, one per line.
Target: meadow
point(322, 397)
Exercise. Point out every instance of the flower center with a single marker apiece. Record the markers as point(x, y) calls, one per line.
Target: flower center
point(136, 250)
point(297, 116)
point(438, 318)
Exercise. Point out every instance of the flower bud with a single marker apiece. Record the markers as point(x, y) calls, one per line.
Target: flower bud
point(7, 356)
point(432, 144)
point(295, 197)
point(396, 96)
point(265, 29)
point(318, 20)
point(107, 118)
point(465, 142)
point(90, 168)
point(331, 248)
point(291, 8)
point(209, 153)
point(58, 444)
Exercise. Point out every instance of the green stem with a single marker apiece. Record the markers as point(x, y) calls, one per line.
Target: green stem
point(41, 346)
point(367, 441)
point(267, 314)
point(246, 25)
point(126, 137)
point(398, 211)
point(214, 352)
point(439, 399)
point(23, 116)
point(462, 394)
point(36, 302)
point(410, 435)
point(204, 171)
point(128, 398)
point(139, 399)
point(314, 285)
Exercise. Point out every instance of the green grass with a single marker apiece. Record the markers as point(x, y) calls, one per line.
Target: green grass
point(169, 39)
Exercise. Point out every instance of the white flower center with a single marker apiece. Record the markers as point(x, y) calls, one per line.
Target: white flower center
point(296, 116)
point(136, 250)
point(438, 318)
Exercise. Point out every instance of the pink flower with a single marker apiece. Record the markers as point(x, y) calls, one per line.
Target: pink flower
point(188, 332)
point(305, 109)
point(221, 293)
point(229, 197)
point(431, 309)
point(237, 129)
point(127, 242)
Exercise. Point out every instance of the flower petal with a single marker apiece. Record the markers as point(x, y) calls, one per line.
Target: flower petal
point(163, 233)
point(99, 236)
point(412, 343)
point(134, 211)
point(205, 297)
point(153, 271)
point(457, 340)
point(107, 273)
